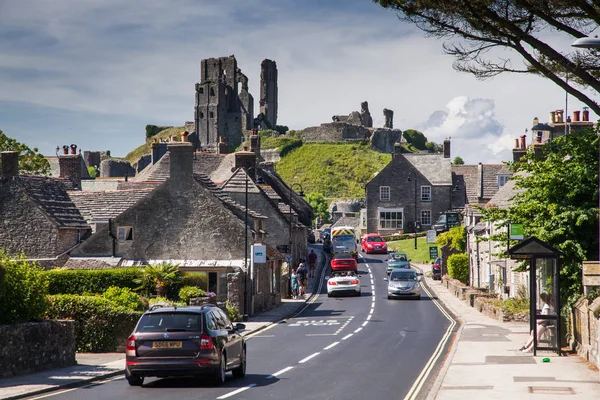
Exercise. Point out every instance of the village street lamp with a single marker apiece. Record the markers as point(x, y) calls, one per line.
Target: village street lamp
point(415, 216)
point(301, 194)
point(587, 43)
point(246, 300)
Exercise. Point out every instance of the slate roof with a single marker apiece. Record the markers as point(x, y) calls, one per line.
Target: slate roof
point(478, 187)
point(92, 263)
point(158, 172)
point(237, 183)
point(106, 204)
point(347, 221)
point(434, 167)
point(51, 196)
point(503, 197)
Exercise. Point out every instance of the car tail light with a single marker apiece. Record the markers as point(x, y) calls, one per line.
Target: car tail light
point(130, 343)
point(354, 282)
point(332, 283)
point(206, 342)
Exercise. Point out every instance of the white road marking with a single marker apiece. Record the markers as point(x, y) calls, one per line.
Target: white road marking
point(240, 390)
point(357, 330)
point(369, 316)
point(281, 371)
point(347, 336)
point(365, 323)
point(309, 357)
point(332, 345)
point(371, 312)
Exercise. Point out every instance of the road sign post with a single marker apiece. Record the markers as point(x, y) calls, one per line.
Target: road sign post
point(433, 252)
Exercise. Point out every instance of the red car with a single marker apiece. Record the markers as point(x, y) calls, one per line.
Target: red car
point(373, 243)
point(344, 262)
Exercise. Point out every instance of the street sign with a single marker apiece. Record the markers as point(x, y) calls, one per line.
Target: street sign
point(431, 236)
point(259, 253)
point(517, 231)
point(433, 252)
point(283, 248)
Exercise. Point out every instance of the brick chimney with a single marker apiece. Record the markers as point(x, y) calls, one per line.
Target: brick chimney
point(159, 149)
point(520, 149)
point(255, 143)
point(222, 146)
point(245, 159)
point(446, 148)
point(70, 167)
point(397, 149)
point(10, 164)
point(181, 162)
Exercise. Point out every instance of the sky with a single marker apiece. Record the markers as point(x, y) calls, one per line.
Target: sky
point(96, 72)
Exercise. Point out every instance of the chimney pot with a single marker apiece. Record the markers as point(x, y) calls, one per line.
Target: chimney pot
point(65, 149)
point(73, 149)
point(586, 114)
point(184, 136)
point(552, 117)
point(576, 116)
point(516, 143)
point(10, 164)
point(523, 142)
point(245, 148)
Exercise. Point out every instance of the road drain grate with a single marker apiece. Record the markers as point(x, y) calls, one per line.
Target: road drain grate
point(555, 390)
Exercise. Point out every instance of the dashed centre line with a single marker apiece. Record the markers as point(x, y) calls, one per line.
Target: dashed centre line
point(309, 357)
point(240, 390)
point(332, 345)
point(348, 336)
point(281, 371)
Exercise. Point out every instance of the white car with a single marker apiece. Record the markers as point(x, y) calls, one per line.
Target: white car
point(343, 282)
point(404, 283)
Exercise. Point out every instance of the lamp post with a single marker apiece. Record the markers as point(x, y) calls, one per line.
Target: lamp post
point(415, 216)
point(301, 194)
point(587, 43)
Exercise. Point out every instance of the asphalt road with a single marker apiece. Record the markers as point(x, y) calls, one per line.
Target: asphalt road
point(343, 347)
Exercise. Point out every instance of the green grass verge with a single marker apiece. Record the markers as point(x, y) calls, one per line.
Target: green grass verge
point(334, 169)
point(420, 255)
point(146, 148)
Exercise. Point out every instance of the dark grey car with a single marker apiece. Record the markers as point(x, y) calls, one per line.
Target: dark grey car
point(182, 341)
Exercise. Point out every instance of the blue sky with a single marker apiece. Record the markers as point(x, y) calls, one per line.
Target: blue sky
point(95, 72)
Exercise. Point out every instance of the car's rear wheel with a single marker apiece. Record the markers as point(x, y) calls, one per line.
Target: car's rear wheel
point(240, 371)
point(220, 375)
point(134, 380)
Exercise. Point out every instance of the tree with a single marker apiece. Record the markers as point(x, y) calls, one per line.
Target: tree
point(320, 205)
point(93, 171)
point(159, 277)
point(31, 162)
point(559, 202)
point(458, 161)
point(415, 138)
point(477, 29)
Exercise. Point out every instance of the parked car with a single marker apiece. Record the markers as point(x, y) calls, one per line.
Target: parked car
point(324, 232)
point(343, 262)
point(404, 283)
point(343, 282)
point(397, 260)
point(311, 236)
point(327, 244)
point(436, 269)
point(181, 341)
point(373, 243)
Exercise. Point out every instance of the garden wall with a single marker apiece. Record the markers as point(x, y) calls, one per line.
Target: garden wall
point(36, 346)
point(585, 332)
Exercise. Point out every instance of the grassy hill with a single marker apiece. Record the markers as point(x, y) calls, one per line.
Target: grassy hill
point(334, 169)
point(146, 148)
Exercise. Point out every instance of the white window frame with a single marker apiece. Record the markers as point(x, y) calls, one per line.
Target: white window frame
point(385, 190)
point(392, 226)
point(424, 215)
point(125, 233)
point(424, 190)
point(502, 179)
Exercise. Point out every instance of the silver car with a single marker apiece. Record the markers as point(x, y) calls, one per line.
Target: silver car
point(404, 283)
point(343, 282)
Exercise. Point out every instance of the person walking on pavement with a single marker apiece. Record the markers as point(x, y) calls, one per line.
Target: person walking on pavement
point(302, 281)
point(312, 263)
point(294, 278)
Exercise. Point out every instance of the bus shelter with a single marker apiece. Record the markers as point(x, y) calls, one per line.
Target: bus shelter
point(544, 292)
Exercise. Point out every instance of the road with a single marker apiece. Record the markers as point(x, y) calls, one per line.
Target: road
point(347, 347)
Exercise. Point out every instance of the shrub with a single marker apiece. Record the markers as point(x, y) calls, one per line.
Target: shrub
point(514, 305)
point(165, 301)
point(24, 290)
point(62, 281)
point(124, 297)
point(187, 292)
point(100, 326)
point(232, 312)
point(159, 277)
point(458, 267)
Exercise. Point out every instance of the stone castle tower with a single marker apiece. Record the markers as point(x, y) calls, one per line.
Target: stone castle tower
point(268, 91)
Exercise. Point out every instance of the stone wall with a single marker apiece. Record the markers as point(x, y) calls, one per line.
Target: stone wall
point(335, 132)
point(111, 168)
point(36, 346)
point(585, 330)
point(271, 155)
point(383, 139)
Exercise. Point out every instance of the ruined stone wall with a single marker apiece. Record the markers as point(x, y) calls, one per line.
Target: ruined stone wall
point(36, 346)
point(113, 168)
point(335, 132)
point(383, 139)
point(268, 90)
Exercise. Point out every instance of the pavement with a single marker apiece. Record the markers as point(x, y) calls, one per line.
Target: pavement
point(485, 361)
point(94, 367)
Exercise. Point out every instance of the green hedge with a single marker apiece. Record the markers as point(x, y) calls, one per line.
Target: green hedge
point(404, 236)
point(100, 325)
point(458, 267)
point(83, 281)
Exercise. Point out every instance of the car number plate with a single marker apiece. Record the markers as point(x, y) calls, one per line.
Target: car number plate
point(344, 283)
point(166, 345)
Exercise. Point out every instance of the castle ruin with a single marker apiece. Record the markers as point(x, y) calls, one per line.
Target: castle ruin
point(268, 91)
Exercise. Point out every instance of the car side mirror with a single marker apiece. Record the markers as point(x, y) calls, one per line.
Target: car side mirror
point(326, 278)
point(240, 327)
point(385, 279)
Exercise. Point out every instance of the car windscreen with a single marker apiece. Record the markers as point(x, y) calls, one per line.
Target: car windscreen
point(399, 257)
point(343, 274)
point(403, 276)
point(170, 322)
point(343, 238)
point(374, 239)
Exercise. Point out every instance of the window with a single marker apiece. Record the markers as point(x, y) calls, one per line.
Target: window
point(201, 90)
point(391, 218)
point(425, 193)
point(201, 115)
point(212, 282)
point(384, 193)
point(502, 179)
point(212, 91)
point(425, 217)
point(211, 114)
point(125, 233)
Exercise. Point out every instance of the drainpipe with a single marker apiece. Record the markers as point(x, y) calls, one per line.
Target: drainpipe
point(478, 263)
point(114, 238)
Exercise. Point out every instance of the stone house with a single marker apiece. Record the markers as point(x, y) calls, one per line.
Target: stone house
point(412, 190)
point(187, 220)
point(37, 216)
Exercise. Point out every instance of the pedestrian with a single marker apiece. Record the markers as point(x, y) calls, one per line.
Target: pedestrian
point(542, 325)
point(302, 281)
point(294, 278)
point(312, 263)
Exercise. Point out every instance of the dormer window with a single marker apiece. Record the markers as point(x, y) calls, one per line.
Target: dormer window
point(125, 233)
point(502, 179)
